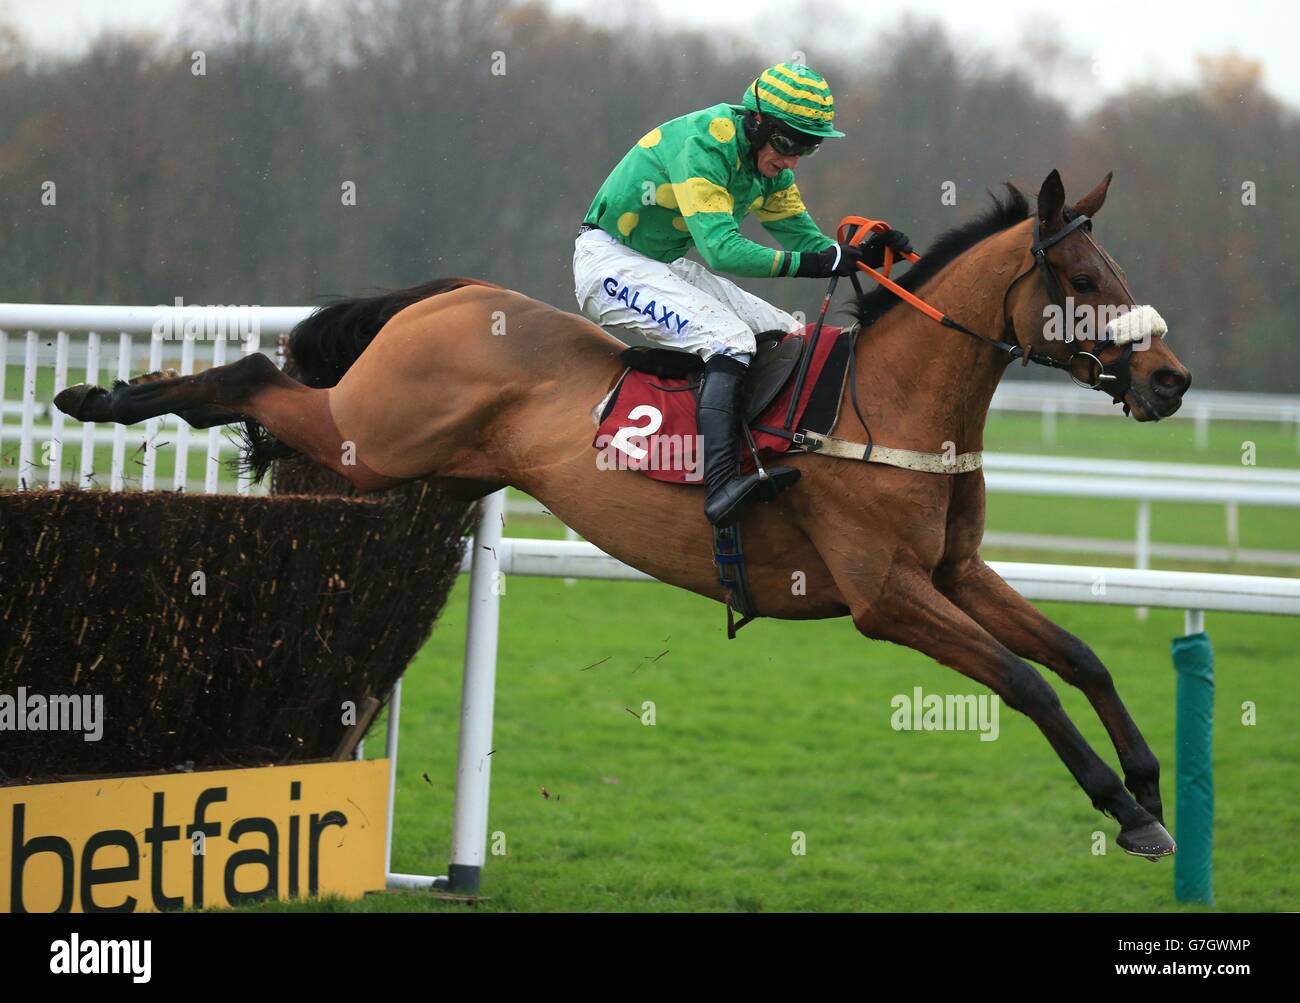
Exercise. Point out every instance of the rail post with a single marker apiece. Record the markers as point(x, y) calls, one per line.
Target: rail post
point(478, 697)
point(1143, 545)
point(1194, 742)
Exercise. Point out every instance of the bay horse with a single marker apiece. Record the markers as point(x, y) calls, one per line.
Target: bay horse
point(480, 387)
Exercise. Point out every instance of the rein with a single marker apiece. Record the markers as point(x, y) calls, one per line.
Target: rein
point(1100, 372)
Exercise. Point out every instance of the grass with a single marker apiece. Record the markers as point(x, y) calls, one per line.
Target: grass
point(1117, 438)
point(786, 729)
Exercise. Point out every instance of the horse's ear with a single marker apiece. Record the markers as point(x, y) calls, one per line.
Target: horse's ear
point(1051, 200)
point(1091, 203)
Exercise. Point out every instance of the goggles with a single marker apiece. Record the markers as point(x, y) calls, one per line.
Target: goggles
point(788, 145)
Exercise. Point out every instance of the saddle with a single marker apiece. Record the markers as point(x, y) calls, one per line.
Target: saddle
point(647, 422)
point(774, 361)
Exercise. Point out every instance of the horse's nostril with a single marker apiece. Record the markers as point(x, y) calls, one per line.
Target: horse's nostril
point(1169, 382)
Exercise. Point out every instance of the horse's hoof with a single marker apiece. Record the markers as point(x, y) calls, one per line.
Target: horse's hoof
point(1147, 794)
point(1151, 841)
point(85, 403)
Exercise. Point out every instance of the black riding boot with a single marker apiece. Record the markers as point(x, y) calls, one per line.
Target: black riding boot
point(728, 492)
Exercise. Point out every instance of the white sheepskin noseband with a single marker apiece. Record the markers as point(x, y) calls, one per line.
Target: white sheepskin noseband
point(1138, 325)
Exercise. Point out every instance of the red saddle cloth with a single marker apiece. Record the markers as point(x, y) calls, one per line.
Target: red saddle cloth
point(649, 425)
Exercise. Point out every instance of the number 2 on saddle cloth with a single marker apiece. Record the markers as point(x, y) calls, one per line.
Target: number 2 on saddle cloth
point(647, 421)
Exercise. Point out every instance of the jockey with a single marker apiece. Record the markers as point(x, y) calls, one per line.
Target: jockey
point(690, 182)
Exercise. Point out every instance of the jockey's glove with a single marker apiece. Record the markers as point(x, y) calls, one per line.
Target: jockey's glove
point(838, 259)
point(873, 248)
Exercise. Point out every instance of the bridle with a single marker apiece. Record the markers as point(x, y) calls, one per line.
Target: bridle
point(1119, 371)
point(1114, 378)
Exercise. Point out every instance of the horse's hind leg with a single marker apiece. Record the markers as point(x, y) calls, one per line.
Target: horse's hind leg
point(910, 610)
point(253, 388)
point(206, 416)
point(227, 387)
point(1013, 620)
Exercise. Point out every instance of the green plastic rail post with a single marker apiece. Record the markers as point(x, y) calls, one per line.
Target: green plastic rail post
point(1194, 742)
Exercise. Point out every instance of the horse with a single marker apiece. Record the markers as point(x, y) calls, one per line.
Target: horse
point(477, 387)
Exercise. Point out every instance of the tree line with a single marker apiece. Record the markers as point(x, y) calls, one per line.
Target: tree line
point(270, 153)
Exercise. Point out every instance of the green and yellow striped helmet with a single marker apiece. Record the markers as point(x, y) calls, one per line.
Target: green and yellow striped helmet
point(797, 95)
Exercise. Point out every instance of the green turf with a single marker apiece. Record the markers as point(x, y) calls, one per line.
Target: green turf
point(1171, 522)
point(787, 729)
point(1174, 441)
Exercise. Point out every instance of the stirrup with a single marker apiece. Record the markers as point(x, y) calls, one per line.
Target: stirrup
point(771, 482)
point(742, 490)
point(777, 480)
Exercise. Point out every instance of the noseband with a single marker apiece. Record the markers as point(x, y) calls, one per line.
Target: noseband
point(1114, 378)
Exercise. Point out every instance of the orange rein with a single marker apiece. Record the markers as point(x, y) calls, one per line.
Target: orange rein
point(866, 226)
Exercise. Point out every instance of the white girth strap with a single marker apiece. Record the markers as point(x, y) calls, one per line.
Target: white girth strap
point(908, 459)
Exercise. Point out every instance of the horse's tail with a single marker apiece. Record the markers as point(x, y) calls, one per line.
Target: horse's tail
point(324, 345)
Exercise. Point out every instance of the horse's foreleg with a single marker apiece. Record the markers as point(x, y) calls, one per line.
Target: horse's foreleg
point(910, 610)
point(1008, 616)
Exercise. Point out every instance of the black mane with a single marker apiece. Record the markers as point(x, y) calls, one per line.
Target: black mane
point(1000, 216)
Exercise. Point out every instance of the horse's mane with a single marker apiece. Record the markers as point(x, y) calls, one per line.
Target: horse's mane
point(1001, 215)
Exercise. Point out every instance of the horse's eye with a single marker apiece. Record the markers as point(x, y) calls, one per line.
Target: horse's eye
point(1082, 283)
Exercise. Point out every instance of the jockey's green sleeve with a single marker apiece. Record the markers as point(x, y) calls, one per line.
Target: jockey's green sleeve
point(690, 181)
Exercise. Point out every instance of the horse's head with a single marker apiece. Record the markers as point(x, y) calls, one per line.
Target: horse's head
point(1082, 314)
